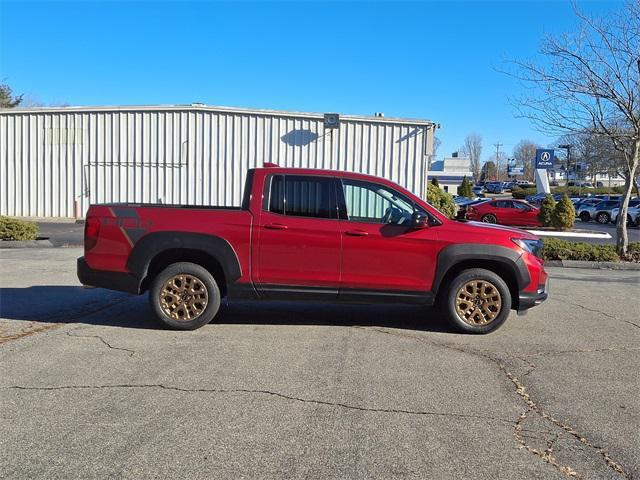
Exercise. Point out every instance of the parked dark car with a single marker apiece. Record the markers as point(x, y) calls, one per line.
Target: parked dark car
point(494, 187)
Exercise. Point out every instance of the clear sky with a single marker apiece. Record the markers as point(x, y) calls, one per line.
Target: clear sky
point(434, 60)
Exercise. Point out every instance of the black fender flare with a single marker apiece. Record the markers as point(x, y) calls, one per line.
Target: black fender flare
point(153, 244)
point(455, 254)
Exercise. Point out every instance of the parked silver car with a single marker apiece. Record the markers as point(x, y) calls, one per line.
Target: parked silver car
point(600, 212)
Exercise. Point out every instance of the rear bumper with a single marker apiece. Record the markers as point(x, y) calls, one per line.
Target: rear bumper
point(121, 281)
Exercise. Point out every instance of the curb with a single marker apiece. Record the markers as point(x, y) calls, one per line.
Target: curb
point(592, 265)
point(9, 244)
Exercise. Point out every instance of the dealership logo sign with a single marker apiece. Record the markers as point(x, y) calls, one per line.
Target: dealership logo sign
point(544, 158)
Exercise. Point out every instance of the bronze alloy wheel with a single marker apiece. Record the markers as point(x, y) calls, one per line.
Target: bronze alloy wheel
point(183, 297)
point(478, 302)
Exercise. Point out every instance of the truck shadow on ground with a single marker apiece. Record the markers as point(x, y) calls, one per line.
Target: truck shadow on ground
point(74, 304)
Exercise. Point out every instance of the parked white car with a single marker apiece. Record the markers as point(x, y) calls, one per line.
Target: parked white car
point(633, 215)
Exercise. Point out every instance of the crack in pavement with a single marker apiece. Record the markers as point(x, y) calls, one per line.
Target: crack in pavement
point(131, 352)
point(594, 310)
point(521, 391)
point(546, 454)
point(585, 350)
point(261, 392)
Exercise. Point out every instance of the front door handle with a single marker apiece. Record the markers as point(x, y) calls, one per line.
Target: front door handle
point(276, 226)
point(356, 233)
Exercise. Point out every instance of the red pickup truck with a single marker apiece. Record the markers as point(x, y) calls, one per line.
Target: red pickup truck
point(304, 234)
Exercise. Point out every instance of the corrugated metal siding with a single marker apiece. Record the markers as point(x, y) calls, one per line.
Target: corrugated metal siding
point(50, 159)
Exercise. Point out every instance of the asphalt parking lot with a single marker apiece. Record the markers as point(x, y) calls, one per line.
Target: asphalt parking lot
point(93, 387)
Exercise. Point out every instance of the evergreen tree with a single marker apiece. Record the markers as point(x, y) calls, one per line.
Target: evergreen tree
point(7, 98)
point(546, 210)
point(564, 214)
point(465, 188)
point(434, 182)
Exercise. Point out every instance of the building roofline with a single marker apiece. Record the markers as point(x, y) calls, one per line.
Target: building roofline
point(211, 108)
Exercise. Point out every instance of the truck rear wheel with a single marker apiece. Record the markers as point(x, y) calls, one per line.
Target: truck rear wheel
point(477, 301)
point(185, 296)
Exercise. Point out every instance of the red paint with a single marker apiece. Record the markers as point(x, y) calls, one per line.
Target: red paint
point(279, 249)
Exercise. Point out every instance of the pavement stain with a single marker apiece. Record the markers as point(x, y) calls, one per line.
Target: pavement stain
point(531, 406)
point(31, 329)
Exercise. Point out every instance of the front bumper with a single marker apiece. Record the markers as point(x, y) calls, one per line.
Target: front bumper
point(121, 281)
point(526, 300)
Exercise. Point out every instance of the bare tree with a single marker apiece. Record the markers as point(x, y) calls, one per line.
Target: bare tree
point(488, 171)
point(472, 148)
point(588, 82)
point(525, 154)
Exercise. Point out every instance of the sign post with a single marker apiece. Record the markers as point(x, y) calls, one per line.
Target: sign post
point(543, 162)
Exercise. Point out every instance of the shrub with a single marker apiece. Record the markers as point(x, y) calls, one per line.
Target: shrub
point(571, 191)
point(546, 210)
point(441, 200)
point(555, 249)
point(523, 192)
point(564, 214)
point(633, 252)
point(465, 188)
point(435, 182)
point(14, 229)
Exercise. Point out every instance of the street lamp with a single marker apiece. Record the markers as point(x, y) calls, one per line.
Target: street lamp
point(567, 147)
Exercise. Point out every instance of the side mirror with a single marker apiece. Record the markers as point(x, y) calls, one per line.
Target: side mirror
point(419, 220)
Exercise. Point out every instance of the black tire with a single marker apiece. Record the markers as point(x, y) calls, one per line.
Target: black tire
point(191, 270)
point(585, 216)
point(448, 301)
point(603, 218)
point(489, 218)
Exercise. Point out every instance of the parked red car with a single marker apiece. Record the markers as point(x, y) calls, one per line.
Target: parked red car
point(312, 235)
point(505, 212)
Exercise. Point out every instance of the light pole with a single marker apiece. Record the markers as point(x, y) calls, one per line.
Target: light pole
point(567, 147)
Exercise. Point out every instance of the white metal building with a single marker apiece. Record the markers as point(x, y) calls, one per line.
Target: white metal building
point(54, 162)
point(450, 171)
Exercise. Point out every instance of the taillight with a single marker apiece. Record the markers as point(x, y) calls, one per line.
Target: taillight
point(91, 231)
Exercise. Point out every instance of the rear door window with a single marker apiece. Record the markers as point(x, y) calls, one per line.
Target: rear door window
point(303, 196)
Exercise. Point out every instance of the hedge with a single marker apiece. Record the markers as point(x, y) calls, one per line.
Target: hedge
point(14, 229)
point(571, 191)
point(556, 249)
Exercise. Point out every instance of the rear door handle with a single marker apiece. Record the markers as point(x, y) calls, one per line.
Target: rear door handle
point(356, 233)
point(276, 226)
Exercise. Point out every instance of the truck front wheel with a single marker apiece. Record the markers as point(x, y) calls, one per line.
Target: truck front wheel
point(477, 301)
point(185, 296)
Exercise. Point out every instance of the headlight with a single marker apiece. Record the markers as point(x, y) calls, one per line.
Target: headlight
point(532, 246)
